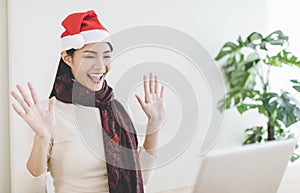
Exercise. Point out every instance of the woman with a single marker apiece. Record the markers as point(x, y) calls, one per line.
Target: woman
point(66, 133)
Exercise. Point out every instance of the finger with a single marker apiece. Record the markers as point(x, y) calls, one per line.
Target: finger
point(151, 83)
point(146, 90)
point(140, 100)
point(156, 85)
point(51, 104)
point(33, 93)
point(18, 111)
point(24, 95)
point(20, 101)
point(162, 91)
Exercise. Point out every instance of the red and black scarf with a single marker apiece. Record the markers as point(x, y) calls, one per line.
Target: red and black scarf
point(119, 136)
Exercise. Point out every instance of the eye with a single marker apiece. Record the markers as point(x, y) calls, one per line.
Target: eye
point(107, 57)
point(89, 57)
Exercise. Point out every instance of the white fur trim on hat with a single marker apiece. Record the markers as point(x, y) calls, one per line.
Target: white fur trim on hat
point(77, 41)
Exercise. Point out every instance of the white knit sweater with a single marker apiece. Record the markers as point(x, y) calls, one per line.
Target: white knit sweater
point(76, 155)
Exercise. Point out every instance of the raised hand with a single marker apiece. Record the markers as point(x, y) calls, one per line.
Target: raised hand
point(153, 105)
point(41, 121)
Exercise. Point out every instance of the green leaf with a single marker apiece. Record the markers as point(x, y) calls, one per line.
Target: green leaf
point(241, 42)
point(227, 49)
point(222, 54)
point(255, 36)
point(263, 46)
point(294, 157)
point(254, 135)
point(252, 59)
point(287, 110)
point(281, 58)
point(297, 88)
point(245, 107)
point(276, 38)
point(296, 112)
point(272, 108)
point(242, 108)
point(295, 81)
point(224, 104)
point(262, 110)
point(273, 61)
point(254, 39)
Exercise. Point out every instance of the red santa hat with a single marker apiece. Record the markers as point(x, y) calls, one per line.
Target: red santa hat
point(82, 28)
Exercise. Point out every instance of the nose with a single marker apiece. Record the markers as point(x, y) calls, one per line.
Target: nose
point(100, 64)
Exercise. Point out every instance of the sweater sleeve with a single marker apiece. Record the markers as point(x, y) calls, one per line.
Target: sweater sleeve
point(147, 162)
point(25, 181)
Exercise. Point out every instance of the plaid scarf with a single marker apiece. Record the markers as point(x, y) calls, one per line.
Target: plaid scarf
point(119, 137)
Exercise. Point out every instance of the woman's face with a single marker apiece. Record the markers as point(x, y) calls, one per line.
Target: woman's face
point(90, 64)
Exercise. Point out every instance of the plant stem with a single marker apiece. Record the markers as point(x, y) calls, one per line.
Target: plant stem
point(270, 131)
point(267, 84)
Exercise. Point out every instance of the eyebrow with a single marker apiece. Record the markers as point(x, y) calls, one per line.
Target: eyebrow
point(94, 52)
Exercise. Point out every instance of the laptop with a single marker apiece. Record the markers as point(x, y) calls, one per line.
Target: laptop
point(255, 168)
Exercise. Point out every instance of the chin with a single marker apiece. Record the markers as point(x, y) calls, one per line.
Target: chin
point(95, 88)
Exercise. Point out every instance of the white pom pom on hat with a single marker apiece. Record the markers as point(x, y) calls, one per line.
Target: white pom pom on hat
point(82, 28)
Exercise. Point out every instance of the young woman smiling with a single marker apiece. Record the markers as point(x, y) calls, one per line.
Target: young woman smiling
point(85, 137)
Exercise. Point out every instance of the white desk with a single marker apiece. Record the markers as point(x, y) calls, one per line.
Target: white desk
point(290, 182)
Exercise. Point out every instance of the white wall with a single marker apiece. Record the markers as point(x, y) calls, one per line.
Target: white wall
point(4, 118)
point(34, 54)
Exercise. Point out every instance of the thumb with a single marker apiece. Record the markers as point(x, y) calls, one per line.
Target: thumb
point(140, 100)
point(51, 104)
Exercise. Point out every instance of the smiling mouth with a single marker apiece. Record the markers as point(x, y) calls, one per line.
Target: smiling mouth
point(95, 77)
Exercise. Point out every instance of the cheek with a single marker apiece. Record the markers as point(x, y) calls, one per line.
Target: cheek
point(86, 63)
point(108, 67)
point(79, 71)
point(83, 66)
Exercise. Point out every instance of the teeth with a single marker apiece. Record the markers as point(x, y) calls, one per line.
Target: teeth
point(96, 75)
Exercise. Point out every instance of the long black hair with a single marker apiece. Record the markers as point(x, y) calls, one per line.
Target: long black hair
point(62, 69)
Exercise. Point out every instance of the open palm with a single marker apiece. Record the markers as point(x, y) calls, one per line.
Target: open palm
point(41, 121)
point(153, 105)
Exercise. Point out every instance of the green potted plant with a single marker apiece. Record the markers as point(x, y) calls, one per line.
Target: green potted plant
point(247, 65)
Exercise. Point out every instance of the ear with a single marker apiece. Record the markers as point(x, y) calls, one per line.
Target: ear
point(66, 58)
